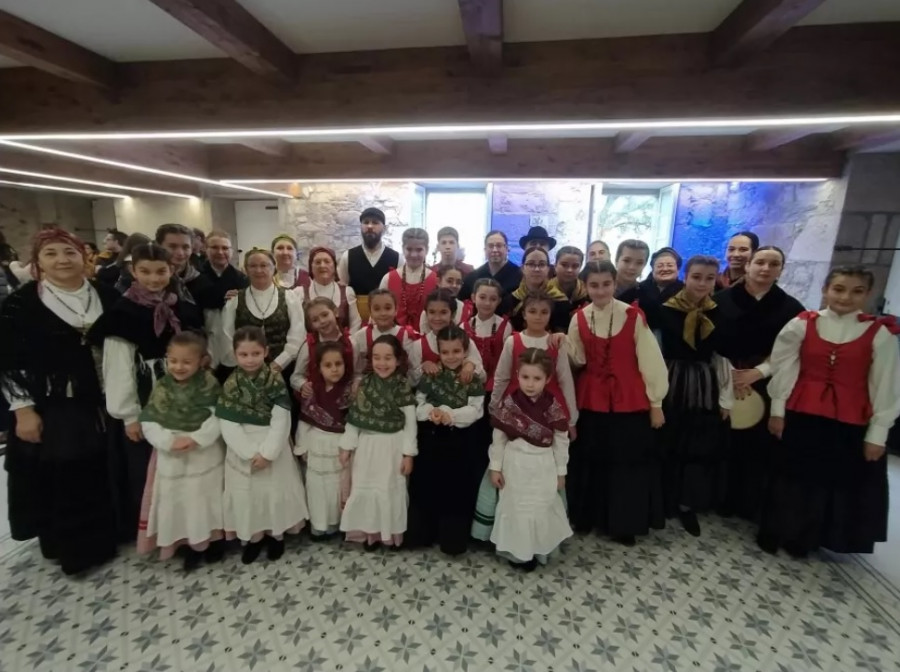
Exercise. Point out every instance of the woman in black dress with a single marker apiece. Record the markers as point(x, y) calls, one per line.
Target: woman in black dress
point(662, 285)
point(57, 457)
point(752, 313)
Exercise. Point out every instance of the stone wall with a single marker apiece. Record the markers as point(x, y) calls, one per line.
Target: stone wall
point(22, 212)
point(800, 218)
point(328, 214)
point(563, 208)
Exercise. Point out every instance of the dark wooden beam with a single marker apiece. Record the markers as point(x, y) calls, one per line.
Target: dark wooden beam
point(379, 145)
point(867, 140)
point(754, 25)
point(483, 26)
point(228, 26)
point(629, 141)
point(28, 44)
point(267, 146)
point(498, 144)
point(577, 158)
point(762, 141)
point(624, 78)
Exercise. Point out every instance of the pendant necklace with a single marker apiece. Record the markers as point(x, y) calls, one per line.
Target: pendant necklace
point(262, 313)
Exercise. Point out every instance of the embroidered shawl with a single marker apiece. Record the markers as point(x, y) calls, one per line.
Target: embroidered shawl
point(379, 403)
point(535, 421)
point(182, 407)
point(249, 398)
point(445, 389)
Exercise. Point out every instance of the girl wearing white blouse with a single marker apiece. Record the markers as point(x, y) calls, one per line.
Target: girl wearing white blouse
point(835, 396)
point(264, 304)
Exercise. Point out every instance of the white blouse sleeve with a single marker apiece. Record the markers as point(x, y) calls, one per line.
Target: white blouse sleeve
point(15, 396)
point(423, 323)
point(355, 319)
point(278, 436)
point(350, 437)
point(158, 436)
point(503, 372)
point(724, 374)
point(209, 431)
point(296, 334)
point(883, 386)
point(410, 430)
point(415, 362)
point(122, 401)
point(567, 382)
point(474, 356)
point(236, 439)
point(576, 347)
point(423, 408)
point(343, 267)
point(561, 452)
point(496, 450)
point(226, 333)
point(785, 360)
point(384, 281)
point(467, 415)
point(298, 377)
point(651, 364)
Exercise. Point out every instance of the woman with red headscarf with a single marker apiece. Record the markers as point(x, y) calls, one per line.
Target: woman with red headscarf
point(322, 283)
point(57, 456)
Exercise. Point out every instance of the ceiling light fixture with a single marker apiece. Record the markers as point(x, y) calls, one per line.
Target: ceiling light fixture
point(487, 128)
point(47, 187)
point(302, 181)
point(60, 178)
point(136, 167)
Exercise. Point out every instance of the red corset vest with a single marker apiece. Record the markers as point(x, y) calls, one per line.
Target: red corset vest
point(489, 347)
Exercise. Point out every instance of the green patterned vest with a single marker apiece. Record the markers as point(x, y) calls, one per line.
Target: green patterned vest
point(275, 325)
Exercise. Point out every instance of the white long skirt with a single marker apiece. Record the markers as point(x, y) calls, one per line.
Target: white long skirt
point(271, 500)
point(531, 518)
point(376, 509)
point(323, 477)
point(187, 495)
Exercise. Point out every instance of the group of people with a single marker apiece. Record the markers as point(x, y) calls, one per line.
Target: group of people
point(178, 401)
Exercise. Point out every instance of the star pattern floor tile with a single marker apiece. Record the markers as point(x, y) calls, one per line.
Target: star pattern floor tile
point(672, 603)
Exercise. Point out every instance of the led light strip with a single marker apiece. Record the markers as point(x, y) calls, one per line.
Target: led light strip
point(301, 181)
point(499, 127)
point(142, 169)
point(32, 185)
point(60, 178)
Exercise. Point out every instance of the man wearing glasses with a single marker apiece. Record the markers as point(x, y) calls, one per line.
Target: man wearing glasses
point(498, 267)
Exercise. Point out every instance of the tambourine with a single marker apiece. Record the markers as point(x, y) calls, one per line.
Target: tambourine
point(748, 412)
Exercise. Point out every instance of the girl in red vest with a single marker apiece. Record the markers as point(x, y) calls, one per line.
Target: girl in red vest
point(423, 355)
point(449, 278)
point(536, 310)
point(615, 486)
point(835, 396)
point(322, 316)
point(413, 281)
point(382, 321)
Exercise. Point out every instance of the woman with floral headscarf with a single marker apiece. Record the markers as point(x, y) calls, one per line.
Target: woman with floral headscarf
point(57, 455)
point(323, 283)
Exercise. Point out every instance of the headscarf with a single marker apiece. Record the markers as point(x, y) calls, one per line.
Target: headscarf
point(695, 314)
point(283, 236)
point(161, 302)
point(54, 235)
point(316, 250)
point(249, 398)
point(182, 407)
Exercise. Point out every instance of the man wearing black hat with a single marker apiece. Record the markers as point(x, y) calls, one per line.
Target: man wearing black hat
point(362, 267)
point(537, 236)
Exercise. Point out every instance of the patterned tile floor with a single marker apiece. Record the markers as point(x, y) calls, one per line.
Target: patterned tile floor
point(672, 603)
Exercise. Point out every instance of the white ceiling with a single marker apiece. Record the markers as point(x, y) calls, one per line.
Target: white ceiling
point(133, 30)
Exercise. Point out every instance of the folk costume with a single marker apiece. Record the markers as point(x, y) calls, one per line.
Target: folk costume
point(410, 289)
point(363, 339)
point(559, 315)
point(276, 311)
point(650, 298)
point(342, 296)
point(835, 383)
point(362, 270)
point(509, 276)
point(451, 460)
point(615, 486)
point(425, 349)
point(576, 294)
point(380, 431)
point(458, 316)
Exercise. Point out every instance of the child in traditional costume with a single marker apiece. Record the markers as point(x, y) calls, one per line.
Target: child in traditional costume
point(835, 397)
point(449, 278)
point(413, 281)
point(383, 320)
point(264, 496)
point(443, 487)
point(322, 420)
point(528, 459)
point(423, 355)
point(134, 335)
point(185, 497)
point(615, 486)
point(381, 437)
point(322, 315)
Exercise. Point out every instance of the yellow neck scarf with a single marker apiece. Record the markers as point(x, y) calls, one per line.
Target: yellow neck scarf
point(694, 315)
point(578, 294)
point(555, 293)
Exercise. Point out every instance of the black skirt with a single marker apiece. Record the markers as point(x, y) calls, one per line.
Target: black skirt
point(693, 439)
point(444, 485)
point(614, 484)
point(823, 492)
point(59, 489)
point(128, 461)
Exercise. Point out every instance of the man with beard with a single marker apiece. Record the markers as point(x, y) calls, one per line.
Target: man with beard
point(498, 267)
point(362, 267)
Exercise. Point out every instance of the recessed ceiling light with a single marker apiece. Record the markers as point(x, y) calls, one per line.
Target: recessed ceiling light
point(60, 178)
point(47, 187)
point(136, 167)
point(487, 128)
point(303, 181)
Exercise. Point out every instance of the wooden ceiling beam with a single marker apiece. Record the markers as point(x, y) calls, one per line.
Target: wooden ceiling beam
point(867, 140)
point(483, 27)
point(30, 45)
point(754, 25)
point(228, 26)
point(498, 144)
point(763, 141)
point(267, 146)
point(629, 141)
point(378, 145)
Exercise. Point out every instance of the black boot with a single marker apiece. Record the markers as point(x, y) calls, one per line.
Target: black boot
point(768, 543)
point(274, 548)
point(625, 540)
point(689, 522)
point(192, 559)
point(252, 551)
point(214, 552)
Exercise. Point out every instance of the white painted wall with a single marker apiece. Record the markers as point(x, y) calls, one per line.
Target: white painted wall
point(256, 223)
point(146, 213)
